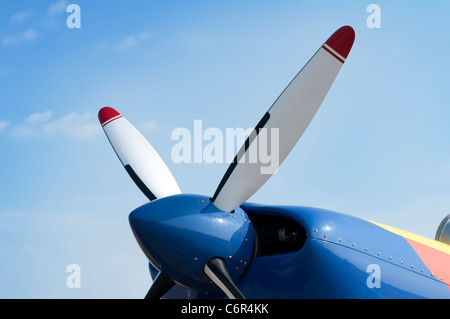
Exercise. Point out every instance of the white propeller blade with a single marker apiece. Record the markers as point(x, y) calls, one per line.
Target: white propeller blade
point(141, 161)
point(285, 122)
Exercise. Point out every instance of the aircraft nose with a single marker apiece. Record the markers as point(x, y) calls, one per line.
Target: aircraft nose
point(182, 233)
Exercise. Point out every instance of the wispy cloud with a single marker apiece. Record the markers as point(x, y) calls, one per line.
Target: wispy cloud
point(37, 118)
point(29, 35)
point(3, 125)
point(54, 9)
point(193, 41)
point(127, 43)
point(80, 126)
point(73, 125)
point(148, 126)
point(20, 17)
point(26, 36)
point(57, 7)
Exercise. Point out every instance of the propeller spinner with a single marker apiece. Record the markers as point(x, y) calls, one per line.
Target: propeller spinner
point(206, 244)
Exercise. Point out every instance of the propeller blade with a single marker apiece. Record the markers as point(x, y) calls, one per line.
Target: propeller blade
point(139, 158)
point(284, 122)
point(160, 286)
point(216, 269)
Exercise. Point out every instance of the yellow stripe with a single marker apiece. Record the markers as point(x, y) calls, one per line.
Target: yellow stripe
point(420, 239)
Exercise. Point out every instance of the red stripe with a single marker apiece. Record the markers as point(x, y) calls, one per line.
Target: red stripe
point(107, 113)
point(339, 59)
point(111, 120)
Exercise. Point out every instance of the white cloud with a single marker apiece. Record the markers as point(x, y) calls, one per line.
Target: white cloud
point(132, 41)
point(148, 126)
point(73, 125)
point(20, 17)
point(57, 7)
point(193, 41)
point(3, 125)
point(29, 35)
point(128, 43)
point(22, 131)
point(79, 126)
point(26, 36)
point(30, 126)
point(7, 41)
point(36, 118)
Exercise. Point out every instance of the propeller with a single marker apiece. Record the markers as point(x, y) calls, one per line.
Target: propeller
point(216, 269)
point(144, 165)
point(288, 117)
point(194, 240)
point(160, 286)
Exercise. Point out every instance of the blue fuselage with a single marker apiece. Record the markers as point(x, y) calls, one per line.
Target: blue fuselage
point(340, 256)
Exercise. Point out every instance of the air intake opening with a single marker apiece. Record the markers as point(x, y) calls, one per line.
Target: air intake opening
point(276, 235)
point(443, 231)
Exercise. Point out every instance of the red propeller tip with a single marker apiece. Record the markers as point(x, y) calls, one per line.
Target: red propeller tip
point(342, 40)
point(106, 114)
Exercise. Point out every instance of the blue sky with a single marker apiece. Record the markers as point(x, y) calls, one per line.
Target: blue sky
point(378, 148)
